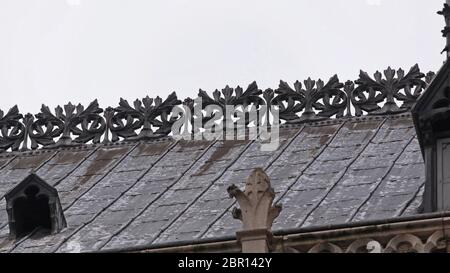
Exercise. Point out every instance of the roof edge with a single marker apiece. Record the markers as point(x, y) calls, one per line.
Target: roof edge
point(286, 232)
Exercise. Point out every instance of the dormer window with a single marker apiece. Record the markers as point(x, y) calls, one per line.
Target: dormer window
point(33, 206)
point(432, 120)
point(431, 115)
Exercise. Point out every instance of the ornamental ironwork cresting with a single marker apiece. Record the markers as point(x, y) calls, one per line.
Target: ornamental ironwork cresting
point(390, 92)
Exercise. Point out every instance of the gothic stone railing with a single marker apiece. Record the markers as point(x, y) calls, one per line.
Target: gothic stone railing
point(391, 92)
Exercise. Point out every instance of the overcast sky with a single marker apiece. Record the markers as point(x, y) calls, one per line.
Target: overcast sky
point(56, 51)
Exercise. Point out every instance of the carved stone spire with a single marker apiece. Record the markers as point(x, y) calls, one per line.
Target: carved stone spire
point(446, 31)
point(256, 212)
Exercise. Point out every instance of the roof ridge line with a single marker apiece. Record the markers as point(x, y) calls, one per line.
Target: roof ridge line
point(286, 232)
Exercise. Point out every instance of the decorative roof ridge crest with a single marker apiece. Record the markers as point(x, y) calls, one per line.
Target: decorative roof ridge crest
point(393, 92)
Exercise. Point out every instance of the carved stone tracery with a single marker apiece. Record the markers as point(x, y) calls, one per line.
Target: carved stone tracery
point(396, 243)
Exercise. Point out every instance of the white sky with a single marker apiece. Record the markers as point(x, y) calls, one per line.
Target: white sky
point(56, 51)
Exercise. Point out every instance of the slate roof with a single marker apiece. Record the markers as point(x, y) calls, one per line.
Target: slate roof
point(132, 194)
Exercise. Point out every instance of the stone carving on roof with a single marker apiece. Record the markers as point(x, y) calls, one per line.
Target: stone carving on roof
point(446, 31)
point(256, 210)
point(310, 101)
